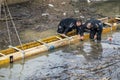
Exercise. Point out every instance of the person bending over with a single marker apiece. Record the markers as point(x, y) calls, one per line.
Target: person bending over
point(68, 24)
point(96, 28)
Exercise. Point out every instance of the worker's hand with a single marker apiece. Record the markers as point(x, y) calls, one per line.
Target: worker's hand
point(63, 34)
point(82, 38)
point(95, 37)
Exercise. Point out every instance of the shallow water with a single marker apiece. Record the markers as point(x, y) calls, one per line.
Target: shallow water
point(84, 60)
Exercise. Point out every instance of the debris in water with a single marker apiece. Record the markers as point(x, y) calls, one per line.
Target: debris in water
point(106, 78)
point(82, 17)
point(63, 3)
point(45, 14)
point(110, 38)
point(76, 11)
point(64, 13)
point(50, 5)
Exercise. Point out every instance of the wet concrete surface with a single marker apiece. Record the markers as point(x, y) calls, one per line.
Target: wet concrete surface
point(81, 61)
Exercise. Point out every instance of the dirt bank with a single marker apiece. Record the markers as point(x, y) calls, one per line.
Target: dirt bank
point(41, 15)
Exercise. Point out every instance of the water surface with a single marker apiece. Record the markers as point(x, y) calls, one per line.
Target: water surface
point(84, 60)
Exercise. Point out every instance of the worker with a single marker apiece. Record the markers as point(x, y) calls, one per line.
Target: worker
point(95, 27)
point(68, 24)
point(80, 29)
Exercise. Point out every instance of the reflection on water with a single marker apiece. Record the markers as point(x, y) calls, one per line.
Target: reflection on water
point(94, 52)
point(90, 50)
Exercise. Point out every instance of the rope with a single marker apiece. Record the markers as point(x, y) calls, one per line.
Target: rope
point(0, 7)
point(13, 24)
point(10, 41)
point(0, 10)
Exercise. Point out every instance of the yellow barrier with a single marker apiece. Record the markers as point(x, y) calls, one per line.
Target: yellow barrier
point(43, 45)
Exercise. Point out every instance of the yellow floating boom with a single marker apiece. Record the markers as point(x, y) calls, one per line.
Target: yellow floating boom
point(40, 46)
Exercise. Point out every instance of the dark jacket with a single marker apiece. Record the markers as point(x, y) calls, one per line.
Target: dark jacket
point(97, 25)
point(66, 25)
point(80, 30)
point(96, 29)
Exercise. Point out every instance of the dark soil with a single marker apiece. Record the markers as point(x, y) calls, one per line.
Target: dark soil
point(41, 15)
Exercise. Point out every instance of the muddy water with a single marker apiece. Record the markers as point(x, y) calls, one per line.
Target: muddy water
point(81, 61)
point(31, 35)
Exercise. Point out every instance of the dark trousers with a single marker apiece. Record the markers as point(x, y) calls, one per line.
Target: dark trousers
point(93, 32)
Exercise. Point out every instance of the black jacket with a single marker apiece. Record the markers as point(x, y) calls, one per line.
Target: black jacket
point(96, 29)
point(80, 30)
point(66, 25)
point(97, 25)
